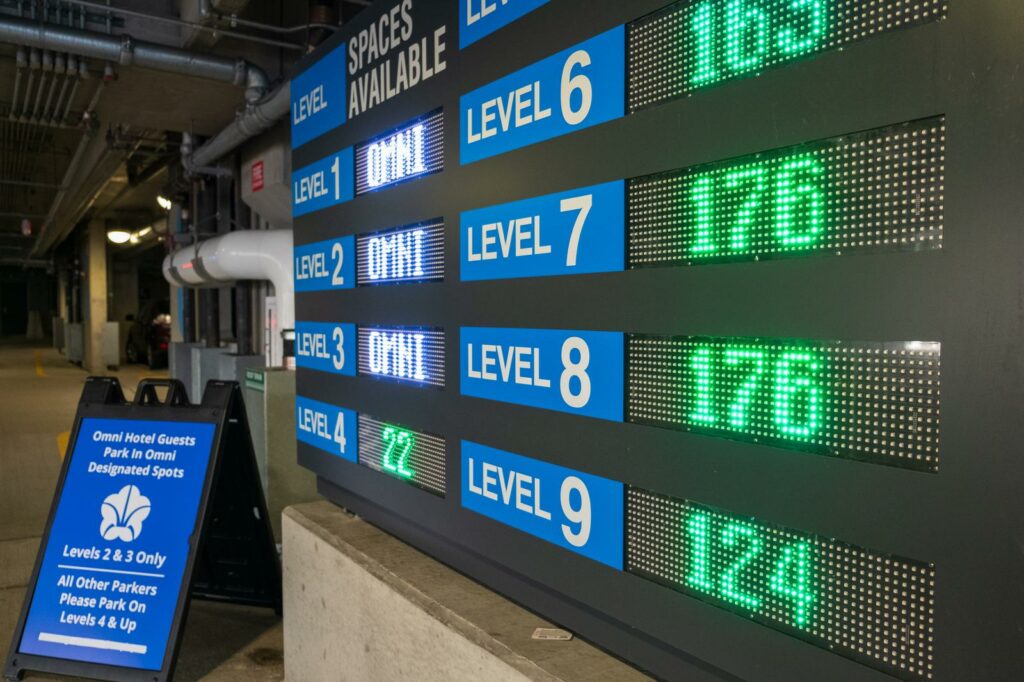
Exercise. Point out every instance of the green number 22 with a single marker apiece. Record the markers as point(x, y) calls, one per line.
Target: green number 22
point(403, 441)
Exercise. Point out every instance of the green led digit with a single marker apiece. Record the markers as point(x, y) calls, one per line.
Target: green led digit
point(746, 35)
point(697, 527)
point(702, 26)
point(731, 535)
point(702, 196)
point(747, 213)
point(790, 384)
point(799, 202)
point(403, 441)
point(793, 42)
point(792, 580)
point(700, 363)
point(746, 391)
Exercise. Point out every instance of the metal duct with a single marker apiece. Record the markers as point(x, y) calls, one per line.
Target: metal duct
point(126, 50)
point(257, 118)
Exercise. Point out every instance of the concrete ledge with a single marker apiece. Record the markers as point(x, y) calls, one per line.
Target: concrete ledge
point(360, 604)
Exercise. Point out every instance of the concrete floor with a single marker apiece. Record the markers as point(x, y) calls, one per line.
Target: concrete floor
point(39, 392)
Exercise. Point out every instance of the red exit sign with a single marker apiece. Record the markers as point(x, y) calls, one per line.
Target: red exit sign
point(257, 176)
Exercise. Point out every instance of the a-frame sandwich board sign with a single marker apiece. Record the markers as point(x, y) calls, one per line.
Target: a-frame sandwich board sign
point(157, 501)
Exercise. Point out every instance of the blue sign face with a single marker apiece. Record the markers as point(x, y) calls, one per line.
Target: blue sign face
point(323, 266)
point(318, 97)
point(326, 346)
point(329, 428)
point(119, 544)
point(322, 184)
point(480, 18)
point(555, 369)
point(577, 511)
point(574, 89)
point(568, 233)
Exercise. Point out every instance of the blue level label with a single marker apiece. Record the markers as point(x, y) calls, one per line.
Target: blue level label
point(577, 511)
point(112, 569)
point(323, 266)
point(318, 97)
point(568, 233)
point(574, 89)
point(480, 18)
point(326, 346)
point(329, 428)
point(324, 183)
point(555, 369)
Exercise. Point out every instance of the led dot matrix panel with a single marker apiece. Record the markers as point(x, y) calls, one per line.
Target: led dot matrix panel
point(412, 151)
point(872, 607)
point(404, 254)
point(411, 456)
point(697, 43)
point(880, 190)
point(877, 402)
point(407, 354)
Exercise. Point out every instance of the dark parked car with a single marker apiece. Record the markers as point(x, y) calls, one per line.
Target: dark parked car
point(149, 335)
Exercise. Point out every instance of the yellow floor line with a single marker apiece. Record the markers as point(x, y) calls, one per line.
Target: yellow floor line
point(39, 363)
point(62, 443)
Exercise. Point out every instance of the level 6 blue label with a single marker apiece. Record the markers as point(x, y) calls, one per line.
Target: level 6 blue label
point(318, 97)
point(332, 429)
point(575, 232)
point(480, 18)
point(322, 266)
point(577, 511)
point(326, 346)
point(555, 369)
point(574, 89)
point(324, 183)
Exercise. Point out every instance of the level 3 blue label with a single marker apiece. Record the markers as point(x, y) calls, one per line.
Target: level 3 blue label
point(575, 232)
point(324, 183)
point(480, 18)
point(318, 97)
point(329, 428)
point(571, 509)
point(326, 346)
point(327, 265)
point(574, 89)
point(580, 372)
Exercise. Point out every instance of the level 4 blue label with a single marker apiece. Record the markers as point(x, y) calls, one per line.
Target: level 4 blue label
point(112, 570)
point(324, 183)
point(480, 18)
point(580, 372)
point(322, 266)
point(574, 89)
point(318, 97)
point(326, 346)
point(327, 427)
point(577, 511)
point(574, 232)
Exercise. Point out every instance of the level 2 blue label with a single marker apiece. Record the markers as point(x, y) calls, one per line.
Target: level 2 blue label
point(571, 509)
point(327, 265)
point(318, 97)
point(574, 89)
point(576, 232)
point(480, 18)
point(579, 372)
point(326, 346)
point(327, 427)
point(324, 183)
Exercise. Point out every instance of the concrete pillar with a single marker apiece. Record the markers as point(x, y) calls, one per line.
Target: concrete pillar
point(96, 298)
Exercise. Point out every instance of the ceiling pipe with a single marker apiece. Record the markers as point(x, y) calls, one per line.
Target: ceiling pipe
point(127, 51)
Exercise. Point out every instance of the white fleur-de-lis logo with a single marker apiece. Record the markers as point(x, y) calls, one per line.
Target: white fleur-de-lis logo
point(123, 513)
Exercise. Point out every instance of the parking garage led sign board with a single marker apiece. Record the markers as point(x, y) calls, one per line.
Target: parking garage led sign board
point(407, 354)
point(412, 151)
point(402, 255)
point(411, 456)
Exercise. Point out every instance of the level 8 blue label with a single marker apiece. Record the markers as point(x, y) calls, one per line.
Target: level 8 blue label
point(571, 509)
point(318, 97)
point(580, 372)
point(574, 89)
point(327, 427)
point(324, 183)
point(575, 232)
point(326, 346)
point(326, 265)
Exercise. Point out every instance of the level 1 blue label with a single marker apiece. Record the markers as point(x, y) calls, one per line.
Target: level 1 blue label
point(318, 97)
point(559, 234)
point(326, 346)
point(329, 428)
point(555, 369)
point(574, 89)
point(480, 18)
point(323, 266)
point(327, 182)
point(112, 569)
point(577, 511)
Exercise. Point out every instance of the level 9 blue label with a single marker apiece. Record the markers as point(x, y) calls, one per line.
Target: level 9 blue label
point(318, 97)
point(326, 346)
point(327, 265)
point(329, 428)
point(324, 183)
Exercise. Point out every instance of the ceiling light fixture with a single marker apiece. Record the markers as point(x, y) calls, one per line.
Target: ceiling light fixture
point(164, 202)
point(118, 236)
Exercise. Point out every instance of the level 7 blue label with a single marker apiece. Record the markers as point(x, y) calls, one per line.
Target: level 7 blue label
point(571, 509)
point(324, 183)
point(574, 89)
point(579, 372)
point(327, 265)
point(575, 232)
point(326, 346)
point(480, 18)
point(318, 97)
point(327, 427)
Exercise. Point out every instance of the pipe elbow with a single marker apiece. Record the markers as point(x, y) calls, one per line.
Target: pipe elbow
point(255, 80)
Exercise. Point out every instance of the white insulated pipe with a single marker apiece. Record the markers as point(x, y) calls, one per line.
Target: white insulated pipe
point(241, 255)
